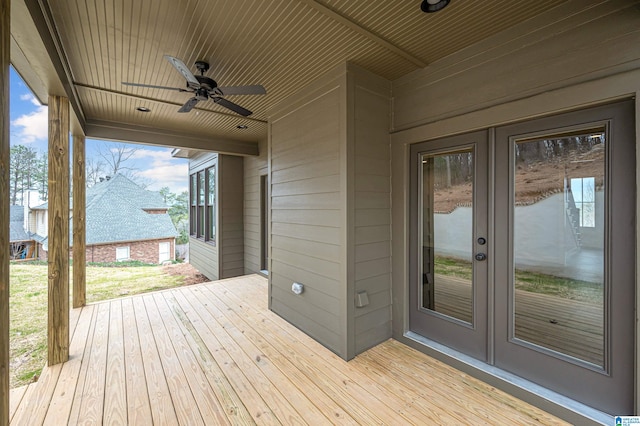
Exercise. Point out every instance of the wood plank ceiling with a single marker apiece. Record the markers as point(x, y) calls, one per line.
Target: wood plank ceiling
point(281, 44)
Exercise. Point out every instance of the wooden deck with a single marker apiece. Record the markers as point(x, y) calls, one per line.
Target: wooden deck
point(213, 354)
point(564, 325)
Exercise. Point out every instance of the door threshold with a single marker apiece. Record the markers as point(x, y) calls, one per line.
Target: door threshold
point(552, 402)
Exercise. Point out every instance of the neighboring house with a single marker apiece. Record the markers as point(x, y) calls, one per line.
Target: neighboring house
point(123, 222)
point(21, 244)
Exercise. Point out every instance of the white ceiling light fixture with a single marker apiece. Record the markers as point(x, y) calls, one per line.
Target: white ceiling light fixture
point(431, 6)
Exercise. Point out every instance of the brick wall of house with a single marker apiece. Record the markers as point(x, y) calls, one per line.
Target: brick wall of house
point(144, 251)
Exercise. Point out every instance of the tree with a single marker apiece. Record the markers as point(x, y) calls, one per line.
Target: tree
point(23, 169)
point(115, 157)
point(94, 170)
point(178, 211)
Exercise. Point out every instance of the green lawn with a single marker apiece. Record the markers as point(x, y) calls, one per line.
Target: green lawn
point(28, 306)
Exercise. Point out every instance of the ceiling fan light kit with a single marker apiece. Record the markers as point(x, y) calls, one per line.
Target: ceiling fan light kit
point(431, 6)
point(204, 88)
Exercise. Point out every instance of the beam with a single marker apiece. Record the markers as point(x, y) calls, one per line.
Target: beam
point(58, 325)
point(79, 225)
point(5, 36)
point(365, 32)
point(127, 132)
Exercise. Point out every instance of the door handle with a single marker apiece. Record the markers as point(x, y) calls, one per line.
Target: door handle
point(481, 256)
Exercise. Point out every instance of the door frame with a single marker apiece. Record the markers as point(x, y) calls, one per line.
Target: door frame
point(469, 338)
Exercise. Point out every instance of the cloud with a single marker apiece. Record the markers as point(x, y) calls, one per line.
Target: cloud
point(32, 126)
point(175, 176)
point(162, 169)
point(30, 98)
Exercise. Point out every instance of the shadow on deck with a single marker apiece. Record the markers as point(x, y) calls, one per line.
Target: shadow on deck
point(213, 354)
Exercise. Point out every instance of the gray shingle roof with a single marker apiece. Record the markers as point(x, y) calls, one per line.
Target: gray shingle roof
point(116, 212)
point(16, 224)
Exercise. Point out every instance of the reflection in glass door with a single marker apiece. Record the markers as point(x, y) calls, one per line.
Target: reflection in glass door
point(447, 234)
point(449, 284)
point(559, 231)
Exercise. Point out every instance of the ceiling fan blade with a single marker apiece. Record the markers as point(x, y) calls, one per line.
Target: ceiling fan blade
point(155, 87)
point(233, 107)
point(184, 70)
point(188, 106)
point(243, 90)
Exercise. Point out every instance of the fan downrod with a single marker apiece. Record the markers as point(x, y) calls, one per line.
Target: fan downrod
point(202, 66)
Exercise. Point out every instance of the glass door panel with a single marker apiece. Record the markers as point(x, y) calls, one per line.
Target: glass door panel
point(559, 231)
point(447, 234)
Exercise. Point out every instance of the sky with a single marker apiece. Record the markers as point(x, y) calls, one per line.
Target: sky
point(29, 125)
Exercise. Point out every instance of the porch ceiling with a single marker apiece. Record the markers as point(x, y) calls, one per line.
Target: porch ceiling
point(281, 44)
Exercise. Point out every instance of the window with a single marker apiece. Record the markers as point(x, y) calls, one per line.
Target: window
point(193, 189)
point(201, 204)
point(202, 218)
point(584, 196)
point(211, 202)
point(122, 253)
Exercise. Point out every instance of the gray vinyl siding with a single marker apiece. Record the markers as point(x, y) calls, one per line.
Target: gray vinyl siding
point(231, 211)
point(225, 258)
point(204, 257)
point(306, 230)
point(372, 210)
point(254, 167)
point(330, 210)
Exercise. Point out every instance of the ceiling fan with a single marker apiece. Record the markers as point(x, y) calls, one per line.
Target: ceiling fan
point(205, 88)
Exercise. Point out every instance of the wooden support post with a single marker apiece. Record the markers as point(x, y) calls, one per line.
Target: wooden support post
point(5, 34)
point(79, 229)
point(58, 326)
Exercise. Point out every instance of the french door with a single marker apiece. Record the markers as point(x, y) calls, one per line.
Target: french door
point(448, 284)
point(559, 308)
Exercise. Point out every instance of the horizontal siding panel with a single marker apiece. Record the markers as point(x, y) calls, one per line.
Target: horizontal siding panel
point(372, 200)
point(377, 301)
point(371, 234)
point(328, 338)
point(316, 167)
point(325, 302)
point(373, 319)
point(373, 184)
point(318, 282)
point(307, 262)
point(204, 258)
point(329, 218)
point(319, 132)
point(330, 200)
point(312, 185)
point(372, 217)
point(329, 252)
point(372, 268)
point(372, 337)
point(372, 251)
point(297, 160)
point(311, 311)
point(374, 284)
point(322, 234)
point(373, 167)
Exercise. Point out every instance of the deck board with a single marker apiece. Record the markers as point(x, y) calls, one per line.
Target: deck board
point(214, 354)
